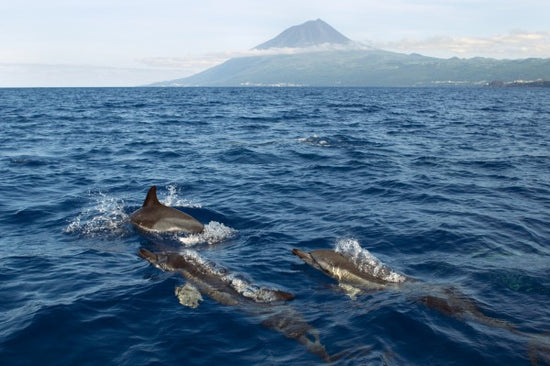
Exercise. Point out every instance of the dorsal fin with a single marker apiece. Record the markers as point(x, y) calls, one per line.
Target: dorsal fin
point(151, 199)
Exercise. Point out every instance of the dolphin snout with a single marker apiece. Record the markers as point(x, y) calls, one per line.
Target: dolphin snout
point(305, 256)
point(150, 256)
point(285, 296)
point(300, 253)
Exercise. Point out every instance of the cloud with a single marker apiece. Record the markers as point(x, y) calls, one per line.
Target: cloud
point(197, 63)
point(187, 64)
point(514, 45)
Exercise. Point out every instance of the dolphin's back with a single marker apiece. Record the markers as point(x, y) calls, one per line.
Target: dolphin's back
point(196, 272)
point(350, 270)
point(165, 219)
point(344, 269)
point(154, 216)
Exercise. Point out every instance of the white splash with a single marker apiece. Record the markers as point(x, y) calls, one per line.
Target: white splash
point(192, 255)
point(106, 216)
point(366, 262)
point(214, 232)
point(250, 291)
point(172, 199)
point(239, 284)
point(315, 140)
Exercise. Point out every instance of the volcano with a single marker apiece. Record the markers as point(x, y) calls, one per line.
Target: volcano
point(311, 33)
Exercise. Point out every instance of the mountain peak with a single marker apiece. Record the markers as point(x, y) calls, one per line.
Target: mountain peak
point(310, 33)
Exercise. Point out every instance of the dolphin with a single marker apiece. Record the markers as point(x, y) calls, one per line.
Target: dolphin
point(153, 216)
point(371, 276)
point(451, 302)
point(268, 305)
point(374, 275)
point(215, 283)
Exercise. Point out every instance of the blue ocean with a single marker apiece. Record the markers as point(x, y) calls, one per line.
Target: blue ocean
point(449, 186)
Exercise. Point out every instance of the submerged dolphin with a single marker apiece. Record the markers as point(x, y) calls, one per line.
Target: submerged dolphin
point(373, 275)
point(266, 304)
point(216, 284)
point(154, 216)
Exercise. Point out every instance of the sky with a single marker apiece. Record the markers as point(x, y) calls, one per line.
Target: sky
point(136, 42)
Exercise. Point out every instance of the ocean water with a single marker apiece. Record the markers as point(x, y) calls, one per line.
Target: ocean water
point(449, 186)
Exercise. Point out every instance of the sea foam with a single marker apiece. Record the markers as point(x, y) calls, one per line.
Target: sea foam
point(214, 233)
point(105, 217)
point(367, 262)
point(237, 282)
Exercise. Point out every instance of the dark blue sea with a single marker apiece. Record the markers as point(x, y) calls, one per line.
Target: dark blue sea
point(450, 186)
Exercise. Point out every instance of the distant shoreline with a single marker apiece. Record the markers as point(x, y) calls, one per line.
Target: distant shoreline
point(520, 84)
point(449, 84)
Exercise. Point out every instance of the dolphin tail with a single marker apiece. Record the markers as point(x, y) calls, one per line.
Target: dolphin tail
point(292, 325)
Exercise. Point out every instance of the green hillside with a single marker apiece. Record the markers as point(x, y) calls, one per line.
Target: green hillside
point(364, 68)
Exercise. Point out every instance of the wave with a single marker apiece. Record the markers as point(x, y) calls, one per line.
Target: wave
point(315, 140)
point(460, 195)
point(173, 199)
point(214, 233)
point(106, 217)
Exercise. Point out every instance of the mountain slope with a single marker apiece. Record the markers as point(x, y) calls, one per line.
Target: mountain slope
point(364, 68)
point(349, 66)
point(311, 33)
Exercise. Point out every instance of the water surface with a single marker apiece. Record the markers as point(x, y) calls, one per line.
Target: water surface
point(449, 186)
